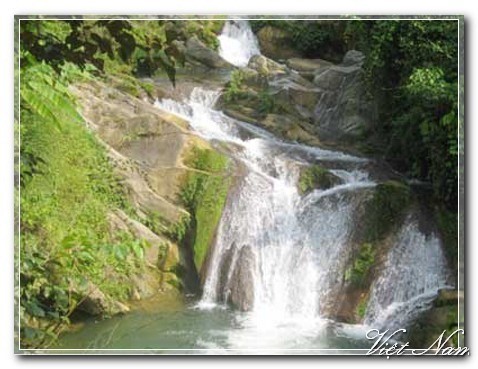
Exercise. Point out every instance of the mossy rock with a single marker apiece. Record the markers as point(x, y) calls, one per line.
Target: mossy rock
point(361, 308)
point(361, 266)
point(204, 194)
point(386, 209)
point(316, 177)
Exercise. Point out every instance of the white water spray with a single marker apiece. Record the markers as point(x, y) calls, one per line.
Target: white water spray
point(237, 42)
point(414, 272)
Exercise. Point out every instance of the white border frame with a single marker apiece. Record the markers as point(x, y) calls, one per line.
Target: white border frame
point(189, 352)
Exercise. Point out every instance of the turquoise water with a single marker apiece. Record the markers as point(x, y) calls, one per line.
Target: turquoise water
point(212, 330)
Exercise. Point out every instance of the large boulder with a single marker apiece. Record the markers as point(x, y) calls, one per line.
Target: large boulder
point(198, 53)
point(276, 44)
point(241, 294)
point(266, 66)
point(345, 109)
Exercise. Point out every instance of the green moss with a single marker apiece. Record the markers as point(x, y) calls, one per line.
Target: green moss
point(314, 177)
point(148, 88)
point(361, 266)
point(204, 194)
point(361, 308)
point(386, 208)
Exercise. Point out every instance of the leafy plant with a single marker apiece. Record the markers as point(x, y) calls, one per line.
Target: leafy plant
point(234, 88)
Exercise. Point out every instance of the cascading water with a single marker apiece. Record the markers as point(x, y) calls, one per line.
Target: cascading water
point(415, 270)
point(237, 42)
point(276, 253)
point(281, 256)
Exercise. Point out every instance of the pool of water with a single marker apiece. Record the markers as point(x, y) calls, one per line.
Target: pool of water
point(190, 329)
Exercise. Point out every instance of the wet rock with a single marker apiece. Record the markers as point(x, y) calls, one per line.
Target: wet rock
point(448, 297)
point(241, 293)
point(316, 177)
point(224, 269)
point(288, 128)
point(293, 94)
point(197, 52)
point(431, 324)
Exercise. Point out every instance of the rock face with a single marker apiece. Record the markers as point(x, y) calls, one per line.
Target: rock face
point(318, 99)
point(276, 44)
point(344, 109)
point(235, 285)
point(241, 291)
point(198, 53)
point(148, 148)
point(145, 144)
point(273, 97)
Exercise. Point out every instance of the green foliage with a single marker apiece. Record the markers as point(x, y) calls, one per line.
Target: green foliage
point(67, 184)
point(67, 189)
point(311, 38)
point(139, 47)
point(361, 266)
point(315, 176)
point(267, 103)
point(361, 308)
point(429, 82)
point(46, 95)
point(234, 89)
point(204, 194)
point(412, 67)
point(206, 30)
point(178, 231)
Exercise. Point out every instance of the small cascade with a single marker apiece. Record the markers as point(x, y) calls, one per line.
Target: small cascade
point(414, 272)
point(237, 42)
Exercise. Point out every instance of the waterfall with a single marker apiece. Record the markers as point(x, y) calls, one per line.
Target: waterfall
point(237, 42)
point(282, 256)
point(288, 251)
